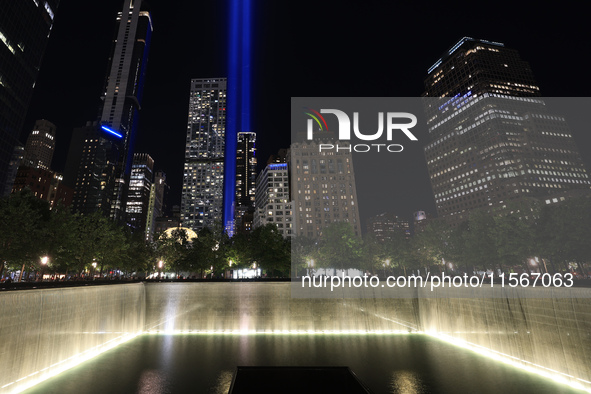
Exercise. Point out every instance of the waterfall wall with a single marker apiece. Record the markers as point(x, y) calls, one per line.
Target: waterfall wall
point(257, 306)
point(548, 329)
point(43, 332)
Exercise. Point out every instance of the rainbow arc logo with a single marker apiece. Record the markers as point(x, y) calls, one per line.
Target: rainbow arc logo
point(316, 115)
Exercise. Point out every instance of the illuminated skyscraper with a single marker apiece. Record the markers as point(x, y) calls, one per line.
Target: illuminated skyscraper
point(203, 179)
point(491, 137)
point(101, 153)
point(140, 185)
point(24, 32)
point(123, 92)
point(246, 164)
point(40, 145)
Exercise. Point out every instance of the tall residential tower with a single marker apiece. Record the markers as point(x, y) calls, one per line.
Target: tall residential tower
point(123, 92)
point(203, 180)
point(101, 153)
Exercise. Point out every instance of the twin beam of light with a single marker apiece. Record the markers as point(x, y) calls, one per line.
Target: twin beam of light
point(239, 98)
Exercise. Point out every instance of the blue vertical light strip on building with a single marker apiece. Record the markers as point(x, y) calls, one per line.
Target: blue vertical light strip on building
point(233, 112)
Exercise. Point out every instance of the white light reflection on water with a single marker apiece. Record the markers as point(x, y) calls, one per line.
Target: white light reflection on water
point(406, 382)
point(151, 382)
point(224, 381)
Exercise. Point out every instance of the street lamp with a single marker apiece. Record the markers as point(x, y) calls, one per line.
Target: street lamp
point(386, 263)
point(160, 265)
point(44, 261)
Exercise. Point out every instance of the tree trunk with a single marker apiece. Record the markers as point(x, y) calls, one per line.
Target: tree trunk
point(20, 278)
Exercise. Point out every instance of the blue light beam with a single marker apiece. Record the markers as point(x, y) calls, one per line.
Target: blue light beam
point(239, 97)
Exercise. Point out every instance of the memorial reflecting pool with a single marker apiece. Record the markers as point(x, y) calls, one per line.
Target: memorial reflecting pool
point(190, 337)
point(198, 363)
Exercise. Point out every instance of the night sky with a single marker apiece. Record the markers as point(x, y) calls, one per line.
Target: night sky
point(301, 49)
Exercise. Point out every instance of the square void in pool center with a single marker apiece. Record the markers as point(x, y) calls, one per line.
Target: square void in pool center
point(158, 364)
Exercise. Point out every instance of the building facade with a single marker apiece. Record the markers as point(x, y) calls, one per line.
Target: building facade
point(24, 31)
point(156, 205)
point(101, 153)
point(246, 164)
point(90, 169)
point(273, 204)
point(323, 187)
point(491, 138)
point(203, 178)
point(40, 145)
point(138, 197)
point(44, 184)
point(387, 227)
point(122, 95)
point(17, 158)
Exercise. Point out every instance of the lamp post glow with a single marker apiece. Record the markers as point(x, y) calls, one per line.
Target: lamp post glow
point(533, 264)
point(44, 261)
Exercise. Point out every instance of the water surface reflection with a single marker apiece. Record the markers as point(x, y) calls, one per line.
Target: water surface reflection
point(409, 364)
